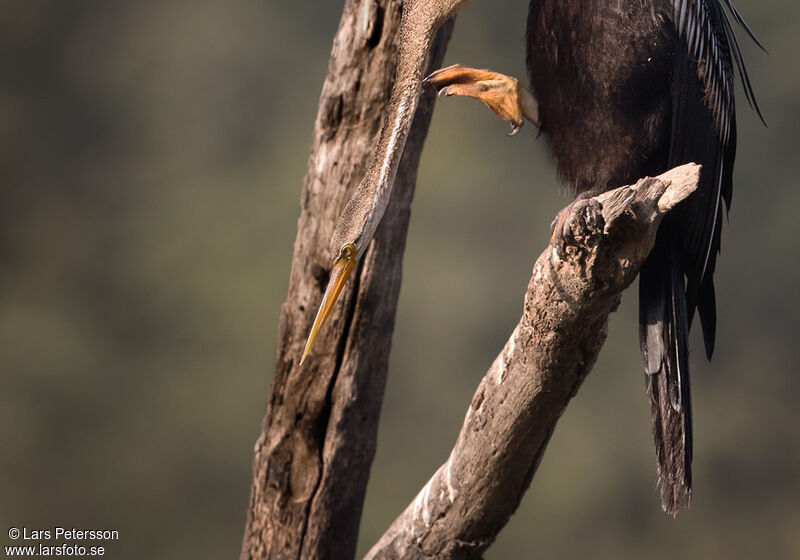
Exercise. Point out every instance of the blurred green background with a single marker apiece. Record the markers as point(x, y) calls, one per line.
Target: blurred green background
point(152, 158)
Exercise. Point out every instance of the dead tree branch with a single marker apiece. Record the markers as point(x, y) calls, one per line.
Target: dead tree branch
point(574, 288)
point(318, 438)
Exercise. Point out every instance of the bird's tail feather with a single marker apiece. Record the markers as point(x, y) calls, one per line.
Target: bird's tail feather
point(664, 328)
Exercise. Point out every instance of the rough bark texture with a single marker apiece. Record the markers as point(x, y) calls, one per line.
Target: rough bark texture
point(313, 457)
point(574, 287)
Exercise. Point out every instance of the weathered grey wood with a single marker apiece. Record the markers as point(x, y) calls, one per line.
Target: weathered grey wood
point(313, 457)
point(574, 288)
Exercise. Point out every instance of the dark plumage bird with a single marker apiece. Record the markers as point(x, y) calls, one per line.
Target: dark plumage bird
point(629, 89)
point(620, 90)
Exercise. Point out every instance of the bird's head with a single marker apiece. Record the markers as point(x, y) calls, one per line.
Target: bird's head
point(353, 232)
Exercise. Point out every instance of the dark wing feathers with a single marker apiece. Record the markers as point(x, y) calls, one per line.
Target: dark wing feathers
point(704, 131)
point(702, 26)
point(706, 30)
point(737, 53)
point(677, 278)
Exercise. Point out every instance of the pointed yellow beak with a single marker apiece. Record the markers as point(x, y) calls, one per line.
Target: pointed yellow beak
point(342, 268)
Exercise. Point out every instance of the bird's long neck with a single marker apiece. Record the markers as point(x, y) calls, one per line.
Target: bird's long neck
point(411, 64)
point(420, 21)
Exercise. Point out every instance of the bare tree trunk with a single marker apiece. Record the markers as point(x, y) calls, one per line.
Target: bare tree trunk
point(574, 287)
point(318, 438)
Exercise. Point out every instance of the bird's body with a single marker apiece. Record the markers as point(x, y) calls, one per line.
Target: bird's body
point(600, 72)
point(629, 89)
point(621, 90)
